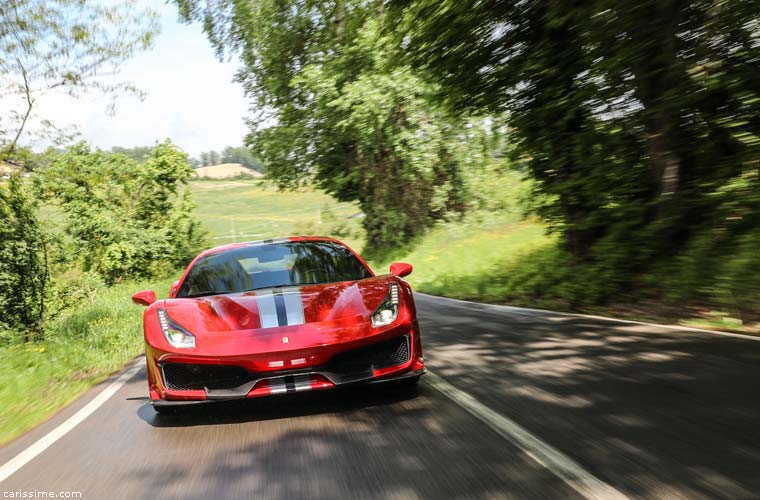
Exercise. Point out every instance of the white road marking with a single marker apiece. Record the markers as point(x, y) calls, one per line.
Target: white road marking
point(591, 316)
point(554, 460)
point(44, 442)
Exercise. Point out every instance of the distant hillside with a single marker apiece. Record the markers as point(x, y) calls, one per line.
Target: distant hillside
point(225, 170)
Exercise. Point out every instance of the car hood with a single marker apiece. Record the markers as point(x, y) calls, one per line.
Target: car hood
point(330, 303)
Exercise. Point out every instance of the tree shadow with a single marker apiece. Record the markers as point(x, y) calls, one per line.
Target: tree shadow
point(346, 444)
point(654, 411)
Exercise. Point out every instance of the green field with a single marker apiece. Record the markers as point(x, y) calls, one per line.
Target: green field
point(244, 210)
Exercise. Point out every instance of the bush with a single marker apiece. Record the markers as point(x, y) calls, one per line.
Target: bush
point(125, 219)
point(23, 264)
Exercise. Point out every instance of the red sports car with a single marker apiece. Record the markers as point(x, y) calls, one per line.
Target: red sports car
point(277, 317)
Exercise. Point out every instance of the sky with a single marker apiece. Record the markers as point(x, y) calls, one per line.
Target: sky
point(191, 97)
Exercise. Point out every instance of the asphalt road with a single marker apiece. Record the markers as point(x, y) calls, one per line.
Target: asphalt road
point(648, 411)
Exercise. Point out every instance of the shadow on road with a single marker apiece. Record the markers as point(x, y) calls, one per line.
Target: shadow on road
point(368, 443)
point(286, 406)
point(657, 412)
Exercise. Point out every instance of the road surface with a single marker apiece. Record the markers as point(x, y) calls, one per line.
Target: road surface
point(521, 404)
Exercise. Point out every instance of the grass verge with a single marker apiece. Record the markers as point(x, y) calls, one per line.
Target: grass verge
point(460, 259)
point(82, 349)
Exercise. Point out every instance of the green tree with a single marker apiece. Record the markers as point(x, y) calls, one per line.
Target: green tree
point(64, 45)
point(243, 156)
point(633, 118)
point(346, 115)
point(126, 219)
point(23, 262)
point(204, 159)
point(213, 158)
point(137, 153)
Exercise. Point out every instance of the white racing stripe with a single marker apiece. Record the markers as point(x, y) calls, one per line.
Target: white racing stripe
point(44, 442)
point(554, 460)
point(293, 307)
point(303, 383)
point(267, 309)
point(277, 386)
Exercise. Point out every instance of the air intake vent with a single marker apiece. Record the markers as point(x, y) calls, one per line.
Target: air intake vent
point(381, 355)
point(188, 377)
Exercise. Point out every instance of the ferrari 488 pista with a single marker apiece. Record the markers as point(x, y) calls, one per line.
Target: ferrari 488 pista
point(277, 317)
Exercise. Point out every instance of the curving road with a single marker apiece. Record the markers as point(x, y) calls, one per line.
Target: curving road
point(520, 404)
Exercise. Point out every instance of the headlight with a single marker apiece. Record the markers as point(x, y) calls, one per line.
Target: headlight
point(387, 311)
point(175, 334)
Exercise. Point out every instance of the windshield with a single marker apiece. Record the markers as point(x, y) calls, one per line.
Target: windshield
point(272, 265)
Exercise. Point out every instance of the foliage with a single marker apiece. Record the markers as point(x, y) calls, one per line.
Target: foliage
point(243, 156)
point(23, 263)
point(631, 119)
point(341, 112)
point(137, 153)
point(125, 219)
point(67, 46)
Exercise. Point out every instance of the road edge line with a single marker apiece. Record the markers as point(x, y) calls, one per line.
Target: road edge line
point(39, 446)
point(562, 466)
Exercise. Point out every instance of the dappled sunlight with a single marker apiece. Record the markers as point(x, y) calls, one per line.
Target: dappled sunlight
point(658, 356)
point(545, 396)
point(627, 398)
point(627, 420)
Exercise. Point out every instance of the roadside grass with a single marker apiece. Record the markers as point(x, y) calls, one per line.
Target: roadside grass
point(82, 348)
point(459, 259)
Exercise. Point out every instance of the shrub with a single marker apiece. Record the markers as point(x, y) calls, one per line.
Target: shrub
point(125, 219)
point(23, 264)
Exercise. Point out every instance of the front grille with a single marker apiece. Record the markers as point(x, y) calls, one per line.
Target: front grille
point(187, 377)
point(381, 355)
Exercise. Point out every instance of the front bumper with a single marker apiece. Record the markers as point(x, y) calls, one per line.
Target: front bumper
point(165, 403)
point(194, 379)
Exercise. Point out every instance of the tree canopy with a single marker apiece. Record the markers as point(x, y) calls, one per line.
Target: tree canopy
point(339, 111)
point(634, 118)
point(637, 122)
point(67, 46)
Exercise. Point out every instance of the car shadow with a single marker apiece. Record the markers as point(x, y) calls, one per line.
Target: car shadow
point(338, 400)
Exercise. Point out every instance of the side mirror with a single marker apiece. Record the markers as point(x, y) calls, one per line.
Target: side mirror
point(401, 269)
point(144, 298)
point(174, 289)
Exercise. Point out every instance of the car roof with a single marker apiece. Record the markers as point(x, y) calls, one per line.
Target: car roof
point(231, 246)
